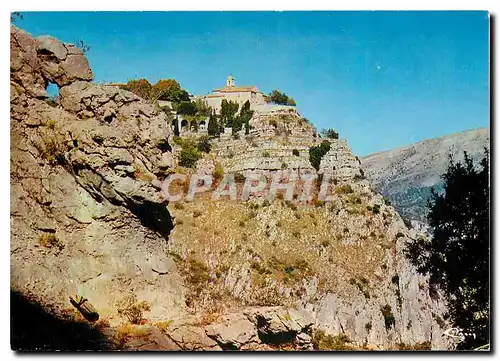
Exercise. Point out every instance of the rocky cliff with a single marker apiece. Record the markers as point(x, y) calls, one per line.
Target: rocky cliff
point(88, 218)
point(406, 175)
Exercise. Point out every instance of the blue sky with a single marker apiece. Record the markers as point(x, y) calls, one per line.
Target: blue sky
point(382, 79)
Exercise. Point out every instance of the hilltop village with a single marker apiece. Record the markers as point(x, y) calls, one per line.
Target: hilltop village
point(192, 112)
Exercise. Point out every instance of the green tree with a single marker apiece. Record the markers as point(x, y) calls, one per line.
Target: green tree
point(278, 97)
point(186, 108)
point(330, 133)
point(202, 108)
point(170, 90)
point(189, 154)
point(228, 112)
point(204, 144)
point(317, 152)
point(176, 127)
point(456, 257)
point(213, 125)
point(245, 115)
point(140, 87)
point(16, 15)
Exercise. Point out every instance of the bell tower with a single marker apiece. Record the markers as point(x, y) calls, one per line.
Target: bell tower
point(230, 81)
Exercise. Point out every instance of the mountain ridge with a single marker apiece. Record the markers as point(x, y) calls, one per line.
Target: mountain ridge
point(406, 174)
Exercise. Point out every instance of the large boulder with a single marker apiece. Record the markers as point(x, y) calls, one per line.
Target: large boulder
point(233, 332)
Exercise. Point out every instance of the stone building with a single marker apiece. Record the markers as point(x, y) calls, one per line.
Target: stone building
point(239, 94)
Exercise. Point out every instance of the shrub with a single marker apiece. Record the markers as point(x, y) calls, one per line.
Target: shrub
point(395, 279)
point(178, 140)
point(376, 209)
point(266, 154)
point(189, 154)
point(291, 205)
point(239, 178)
point(164, 325)
point(52, 146)
point(345, 189)
point(125, 331)
point(295, 152)
point(204, 144)
point(399, 235)
point(132, 309)
point(50, 240)
point(284, 165)
point(419, 346)
point(278, 97)
point(319, 203)
point(317, 152)
point(387, 201)
point(178, 205)
point(368, 326)
point(439, 321)
point(407, 223)
point(218, 173)
point(198, 275)
point(388, 317)
point(51, 124)
point(330, 133)
point(324, 342)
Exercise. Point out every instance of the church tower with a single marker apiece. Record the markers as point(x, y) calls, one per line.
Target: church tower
point(230, 81)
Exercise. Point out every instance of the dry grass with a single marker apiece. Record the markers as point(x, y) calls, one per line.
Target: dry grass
point(324, 342)
point(164, 325)
point(51, 146)
point(50, 240)
point(126, 331)
point(301, 233)
point(132, 309)
point(419, 346)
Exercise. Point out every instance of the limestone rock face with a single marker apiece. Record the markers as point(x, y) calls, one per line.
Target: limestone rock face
point(355, 279)
point(339, 162)
point(87, 215)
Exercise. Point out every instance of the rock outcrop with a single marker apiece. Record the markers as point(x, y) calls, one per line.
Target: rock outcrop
point(87, 215)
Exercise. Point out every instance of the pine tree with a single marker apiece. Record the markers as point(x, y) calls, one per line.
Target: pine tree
point(213, 125)
point(176, 127)
point(456, 257)
point(228, 112)
point(245, 116)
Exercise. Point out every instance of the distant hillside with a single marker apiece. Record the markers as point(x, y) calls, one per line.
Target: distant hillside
point(406, 175)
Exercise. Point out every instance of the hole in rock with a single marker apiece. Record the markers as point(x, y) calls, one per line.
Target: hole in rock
point(53, 93)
